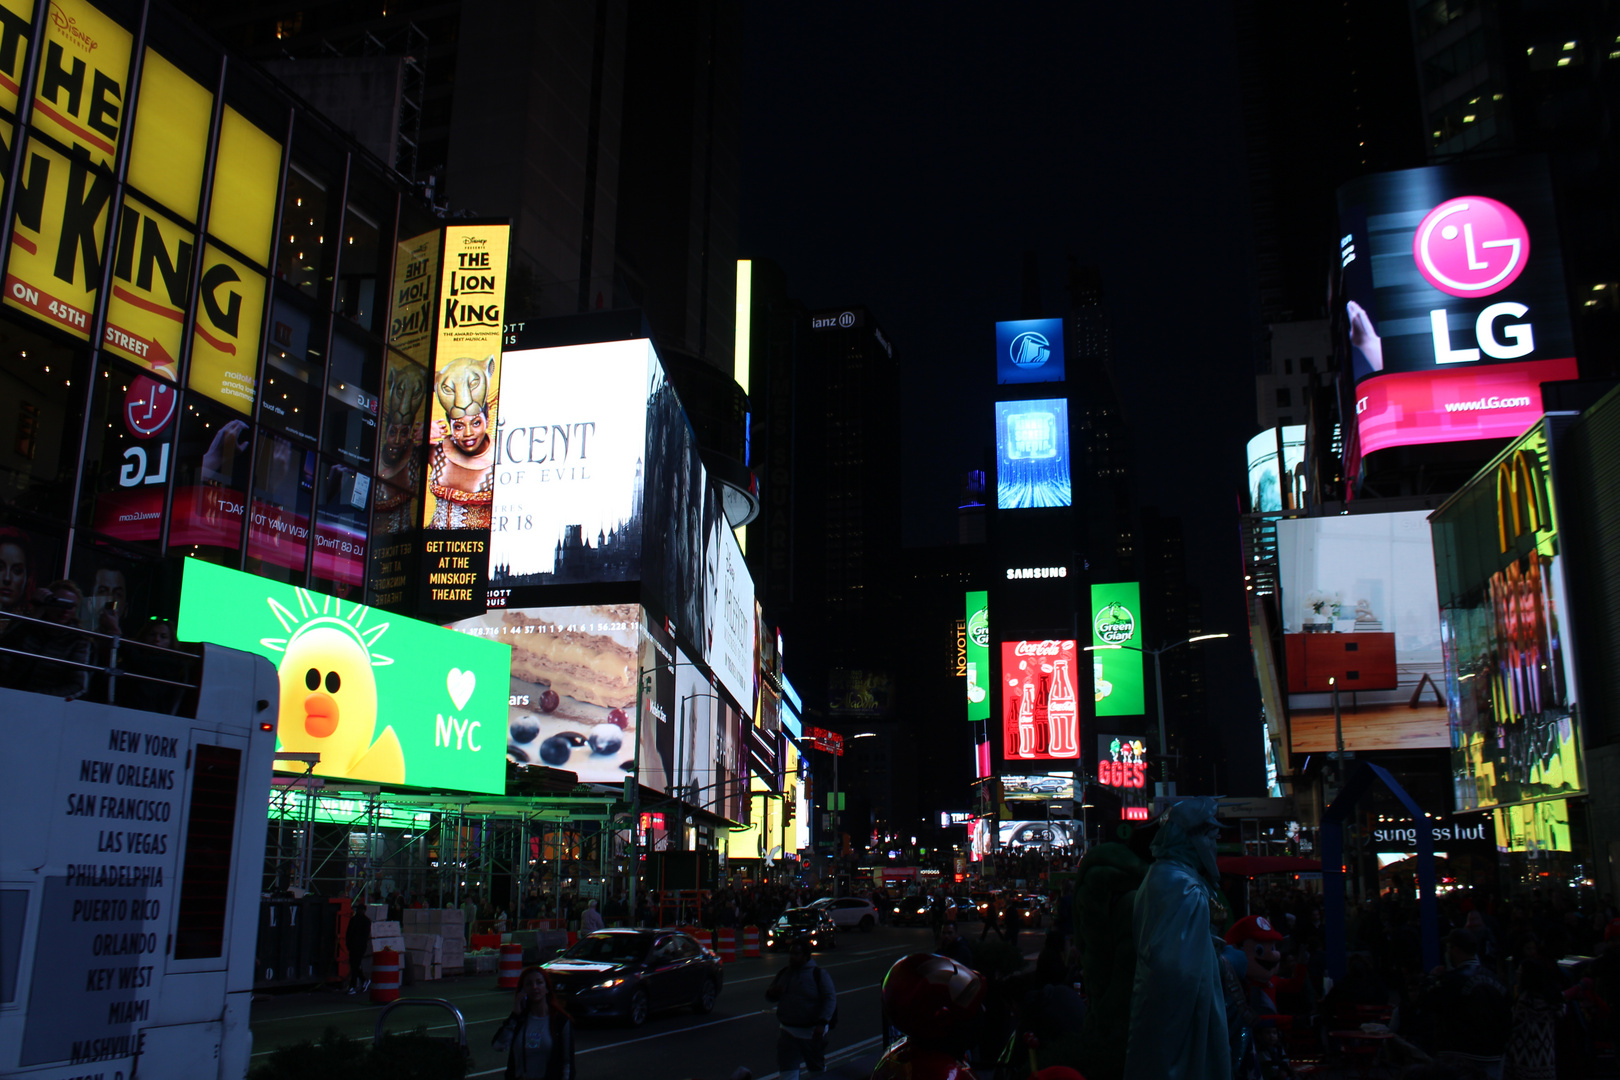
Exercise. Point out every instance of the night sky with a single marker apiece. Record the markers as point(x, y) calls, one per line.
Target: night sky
point(905, 156)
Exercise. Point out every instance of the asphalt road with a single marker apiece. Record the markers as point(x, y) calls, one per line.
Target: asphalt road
point(670, 1046)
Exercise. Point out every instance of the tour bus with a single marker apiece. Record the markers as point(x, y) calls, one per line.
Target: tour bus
point(132, 799)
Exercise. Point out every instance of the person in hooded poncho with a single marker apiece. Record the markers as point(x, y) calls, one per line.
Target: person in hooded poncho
point(1178, 1015)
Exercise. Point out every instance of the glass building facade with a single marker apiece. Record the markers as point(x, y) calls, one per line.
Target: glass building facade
point(195, 349)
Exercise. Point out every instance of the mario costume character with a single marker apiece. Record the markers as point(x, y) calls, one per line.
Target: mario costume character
point(1256, 939)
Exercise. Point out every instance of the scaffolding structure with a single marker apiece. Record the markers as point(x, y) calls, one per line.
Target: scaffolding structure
point(339, 838)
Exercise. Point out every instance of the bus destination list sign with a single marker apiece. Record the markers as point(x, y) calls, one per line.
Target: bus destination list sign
point(104, 922)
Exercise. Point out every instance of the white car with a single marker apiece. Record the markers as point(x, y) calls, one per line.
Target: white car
point(850, 912)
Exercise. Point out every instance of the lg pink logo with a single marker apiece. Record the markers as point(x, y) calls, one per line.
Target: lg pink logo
point(1471, 246)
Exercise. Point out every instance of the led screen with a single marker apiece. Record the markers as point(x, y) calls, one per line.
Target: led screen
point(1116, 649)
point(1040, 716)
point(1358, 606)
point(568, 468)
point(1515, 725)
point(1016, 835)
point(692, 740)
point(1454, 295)
point(729, 639)
point(1533, 827)
point(676, 484)
point(1032, 453)
point(572, 699)
point(1057, 785)
point(978, 656)
point(1122, 761)
point(1270, 487)
point(1029, 351)
point(381, 698)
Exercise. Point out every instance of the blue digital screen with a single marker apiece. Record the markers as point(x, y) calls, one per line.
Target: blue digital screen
point(1032, 453)
point(1029, 351)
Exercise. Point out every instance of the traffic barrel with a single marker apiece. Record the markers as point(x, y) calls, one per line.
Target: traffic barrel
point(511, 969)
point(725, 943)
point(385, 976)
point(750, 942)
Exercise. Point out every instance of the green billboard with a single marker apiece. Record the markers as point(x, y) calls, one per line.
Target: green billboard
point(978, 656)
point(381, 698)
point(1116, 657)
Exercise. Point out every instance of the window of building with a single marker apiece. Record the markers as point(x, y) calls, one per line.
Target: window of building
point(130, 454)
point(1288, 366)
point(283, 490)
point(362, 262)
point(1284, 396)
point(304, 225)
point(210, 482)
point(41, 383)
point(1307, 364)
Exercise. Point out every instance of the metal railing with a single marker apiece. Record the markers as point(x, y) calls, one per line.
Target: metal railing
point(34, 651)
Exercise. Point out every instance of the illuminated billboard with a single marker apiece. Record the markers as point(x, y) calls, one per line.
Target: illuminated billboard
point(1122, 761)
point(1040, 716)
point(1029, 351)
point(1454, 295)
point(977, 655)
point(1042, 835)
point(572, 699)
point(1358, 607)
point(381, 698)
point(1504, 632)
point(1116, 649)
point(463, 416)
point(568, 467)
point(728, 637)
point(1032, 454)
point(1056, 785)
point(1273, 486)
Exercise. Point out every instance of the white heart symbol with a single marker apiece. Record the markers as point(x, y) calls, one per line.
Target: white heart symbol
point(460, 684)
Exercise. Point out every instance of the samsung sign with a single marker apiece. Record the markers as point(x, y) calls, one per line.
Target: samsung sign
point(838, 320)
point(1031, 573)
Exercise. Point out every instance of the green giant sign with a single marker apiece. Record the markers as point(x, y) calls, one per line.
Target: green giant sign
point(381, 698)
point(1116, 657)
point(978, 656)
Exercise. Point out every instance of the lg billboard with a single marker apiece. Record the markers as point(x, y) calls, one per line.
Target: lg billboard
point(1454, 294)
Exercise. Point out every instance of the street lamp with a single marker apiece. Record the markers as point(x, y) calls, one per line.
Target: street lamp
point(1158, 690)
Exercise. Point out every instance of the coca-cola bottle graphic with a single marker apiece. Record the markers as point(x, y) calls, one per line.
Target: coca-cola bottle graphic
point(1026, 720)
point(1062, 714)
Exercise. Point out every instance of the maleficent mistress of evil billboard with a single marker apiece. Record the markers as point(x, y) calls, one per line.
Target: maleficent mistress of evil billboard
point(568, 474)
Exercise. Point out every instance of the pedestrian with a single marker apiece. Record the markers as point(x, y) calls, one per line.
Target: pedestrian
point(952, 945)
point(591, 921)
point(991, 920)
point(1532, 1045)
point(806, 1008)
point(469, 914)
point(357, 937)
point(1469, 1009)
point(539, 1036)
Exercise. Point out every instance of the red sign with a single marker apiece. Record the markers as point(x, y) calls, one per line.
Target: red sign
point(148, 406)
point(1040, 718)
point(1134, 813)
point(1499, 401)
point(827, 741)
point(652, 821)
point(1131, 774)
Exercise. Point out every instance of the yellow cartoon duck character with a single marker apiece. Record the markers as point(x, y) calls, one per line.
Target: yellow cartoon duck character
point(329, 694)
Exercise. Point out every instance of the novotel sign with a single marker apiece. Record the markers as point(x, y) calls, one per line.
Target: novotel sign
point(1030, 573)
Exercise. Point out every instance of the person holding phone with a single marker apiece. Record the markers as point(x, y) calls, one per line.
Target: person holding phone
point(538, 1037)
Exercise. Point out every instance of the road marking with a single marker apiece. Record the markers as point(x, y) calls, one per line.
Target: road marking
point(697, 1027)
point(848, 958)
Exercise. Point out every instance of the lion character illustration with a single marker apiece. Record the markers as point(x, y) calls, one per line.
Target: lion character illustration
point(462, 477)
point(401, 467)
point(329, 693)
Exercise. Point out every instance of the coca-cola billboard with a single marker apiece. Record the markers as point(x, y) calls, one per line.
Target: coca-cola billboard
point(1039, 711)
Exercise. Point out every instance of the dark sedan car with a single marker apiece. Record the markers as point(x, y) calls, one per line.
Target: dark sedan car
point(632, 973)
point(813, 926)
